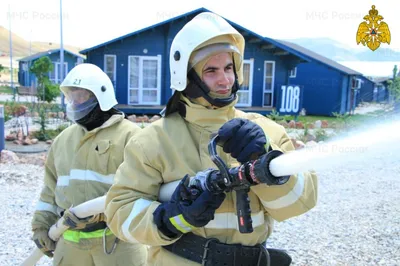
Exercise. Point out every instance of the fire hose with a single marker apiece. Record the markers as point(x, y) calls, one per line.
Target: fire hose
point(86, 209)
point(238, 179)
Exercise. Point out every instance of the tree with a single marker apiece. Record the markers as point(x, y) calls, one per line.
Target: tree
point(1, 69)
point(394, 88)
point(46, 90)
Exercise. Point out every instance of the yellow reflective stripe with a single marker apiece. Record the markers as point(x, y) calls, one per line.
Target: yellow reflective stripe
point(76, 236)
point(181, 224)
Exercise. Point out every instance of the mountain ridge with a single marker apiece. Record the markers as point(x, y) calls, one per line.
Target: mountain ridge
point(337, 51)
point(22, 48)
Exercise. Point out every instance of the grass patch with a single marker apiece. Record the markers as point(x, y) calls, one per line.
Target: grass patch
point(6, 90)
point(312, 119)
point(48, 133)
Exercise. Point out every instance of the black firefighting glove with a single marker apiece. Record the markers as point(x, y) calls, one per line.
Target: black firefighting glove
point(242, 138)
point(188, 208)
point(43, 241)
point(73, 222)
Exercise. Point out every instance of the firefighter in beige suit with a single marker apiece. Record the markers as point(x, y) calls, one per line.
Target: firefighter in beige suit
point(195, 226)
point(80, 166)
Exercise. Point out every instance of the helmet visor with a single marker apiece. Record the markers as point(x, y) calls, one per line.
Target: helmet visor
point(75, 95)
point(77, 111)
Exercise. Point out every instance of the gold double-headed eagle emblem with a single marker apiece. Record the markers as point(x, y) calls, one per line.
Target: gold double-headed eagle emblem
point(373, 31)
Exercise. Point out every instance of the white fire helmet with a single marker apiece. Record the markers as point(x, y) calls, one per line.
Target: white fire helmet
point(204, 29)
point(97, 86)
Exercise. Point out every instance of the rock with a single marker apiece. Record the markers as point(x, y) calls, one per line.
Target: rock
point(299, 125)
point(61, 115)
point(27, 141)
point(132, 118)
point(49, 141)
point(310, 126)
point(292, 124)
point(324, 124)
point(17, 141)
point(11, 137)
point(20, 135)
point(154, 118)
point(145, 119)
point(34, 141)
point(36, 159)
point(8, 157)
point(317, 124)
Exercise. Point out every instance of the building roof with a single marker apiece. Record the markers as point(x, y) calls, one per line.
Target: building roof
point(269, 43)
point(382, 79)
point(48, 52)
point(369, 79)
point(320, 58)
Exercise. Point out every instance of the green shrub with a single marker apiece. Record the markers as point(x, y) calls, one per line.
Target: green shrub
point(321, 134)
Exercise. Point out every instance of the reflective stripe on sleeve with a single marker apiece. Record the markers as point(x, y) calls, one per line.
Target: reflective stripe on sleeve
point(63, 181)
point(44, 206)
point(289, 198)
point(86, 175)
point(181, 224)
point(138, 207)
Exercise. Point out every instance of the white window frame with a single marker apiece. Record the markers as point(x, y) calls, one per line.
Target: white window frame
point(56, 65)
point(79, 61)
point(250, 91)
point(358, 83)
point(272, 83)
point(140, 88)
point(114, 80)
point(293, 72)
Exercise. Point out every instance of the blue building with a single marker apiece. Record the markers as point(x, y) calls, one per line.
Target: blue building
point(368, 90)
point(328, 86)
point(138, 65)
point(28, 79)
point(381, 91)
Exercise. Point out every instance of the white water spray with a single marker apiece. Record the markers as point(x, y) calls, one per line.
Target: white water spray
point(381, 140)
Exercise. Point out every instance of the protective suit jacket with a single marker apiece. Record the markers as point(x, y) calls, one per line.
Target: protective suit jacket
point(80, 166)
point(174, 146)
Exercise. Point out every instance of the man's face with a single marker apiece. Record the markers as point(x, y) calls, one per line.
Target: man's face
point(218, 74)
point(78, 96)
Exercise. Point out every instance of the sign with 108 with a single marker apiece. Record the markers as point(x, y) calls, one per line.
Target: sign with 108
point(291, 97)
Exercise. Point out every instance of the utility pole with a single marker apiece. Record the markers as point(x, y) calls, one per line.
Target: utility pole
point(11, 67)
point(61, 54)
point(30, 43)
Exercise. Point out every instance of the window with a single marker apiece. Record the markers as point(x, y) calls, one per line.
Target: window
point(25, 66)
point(144, 79)
point(356, 83)
point(245, 92)
point(110, 67)
point(55, 74)
point(293, 72)
point(269, 78)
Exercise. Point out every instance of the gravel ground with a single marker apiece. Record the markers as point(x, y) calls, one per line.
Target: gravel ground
point(356, 221)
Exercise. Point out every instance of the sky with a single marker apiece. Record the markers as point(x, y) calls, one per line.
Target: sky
point(87, 23)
